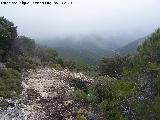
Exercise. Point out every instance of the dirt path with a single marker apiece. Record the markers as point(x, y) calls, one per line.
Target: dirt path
point(47, 94)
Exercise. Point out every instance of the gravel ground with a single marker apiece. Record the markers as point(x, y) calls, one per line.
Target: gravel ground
point(46, 95)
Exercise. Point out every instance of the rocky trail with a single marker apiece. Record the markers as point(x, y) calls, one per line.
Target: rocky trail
point(46, 95)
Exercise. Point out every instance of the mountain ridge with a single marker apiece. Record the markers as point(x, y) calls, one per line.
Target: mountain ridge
point(130, 48)
point(86, 49)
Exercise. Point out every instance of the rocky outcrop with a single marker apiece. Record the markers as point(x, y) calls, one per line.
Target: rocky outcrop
point(47, 95)
point(2, 66)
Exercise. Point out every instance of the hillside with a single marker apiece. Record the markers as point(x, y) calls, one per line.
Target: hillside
point(130, 48)
point(37, 84)
point(88, 49)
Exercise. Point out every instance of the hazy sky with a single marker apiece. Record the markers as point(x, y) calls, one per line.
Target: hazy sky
point(84, 17)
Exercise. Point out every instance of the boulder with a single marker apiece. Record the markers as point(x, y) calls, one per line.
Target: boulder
point(2, 65)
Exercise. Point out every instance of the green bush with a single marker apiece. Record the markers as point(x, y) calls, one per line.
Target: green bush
point(9, 83)
point(80, 95)
point(81, 117)
point(82, 114)
point(113, 66)
point(101, 89)
point(21, 62)
point(55, 66)
point(8, 33)
point(123, 88)
point(149, 51)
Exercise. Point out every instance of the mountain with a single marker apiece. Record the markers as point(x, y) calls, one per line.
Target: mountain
point(88, 49)
point(131, 48)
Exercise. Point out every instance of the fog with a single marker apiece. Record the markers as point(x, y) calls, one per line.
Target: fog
point(129, 18)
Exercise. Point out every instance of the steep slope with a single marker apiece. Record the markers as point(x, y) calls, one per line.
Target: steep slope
point(131, 48)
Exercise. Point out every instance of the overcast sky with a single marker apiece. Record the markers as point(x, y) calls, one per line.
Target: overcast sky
point(85, 17)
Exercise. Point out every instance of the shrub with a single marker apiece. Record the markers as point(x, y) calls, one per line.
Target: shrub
point(55, 66)
point(21, 62)
point(81, 117)
point(80, 95)
point(101, 89)
point(123, 88)
point(82, 114)
point(9, 83)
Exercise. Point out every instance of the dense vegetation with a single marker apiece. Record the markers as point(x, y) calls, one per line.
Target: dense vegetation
point(131, 91)
point(125, 87)
point(18, 53)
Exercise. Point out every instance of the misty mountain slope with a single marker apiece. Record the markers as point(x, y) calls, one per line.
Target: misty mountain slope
point(88, 49)
point(131, 48)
